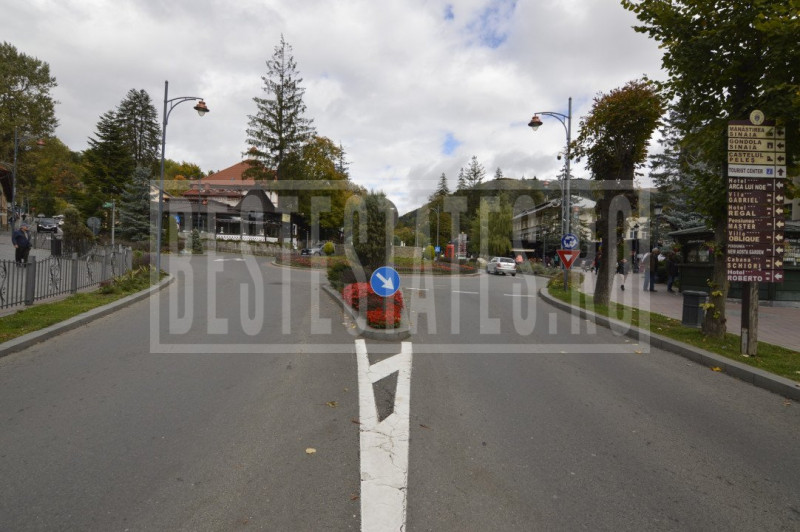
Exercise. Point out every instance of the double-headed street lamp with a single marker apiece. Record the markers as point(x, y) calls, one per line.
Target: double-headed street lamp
point(566, 121)
point(169, 105)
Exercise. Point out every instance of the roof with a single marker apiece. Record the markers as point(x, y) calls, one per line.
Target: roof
point(232, 173)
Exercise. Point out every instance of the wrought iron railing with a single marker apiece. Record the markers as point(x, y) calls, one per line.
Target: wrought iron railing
point(23, 284)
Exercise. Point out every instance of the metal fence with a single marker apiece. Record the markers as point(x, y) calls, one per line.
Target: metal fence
point(59, 275)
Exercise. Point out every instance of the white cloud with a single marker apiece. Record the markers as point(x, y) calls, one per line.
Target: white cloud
point(387, 80)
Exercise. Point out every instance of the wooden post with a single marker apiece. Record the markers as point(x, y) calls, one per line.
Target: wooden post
point(749, 340)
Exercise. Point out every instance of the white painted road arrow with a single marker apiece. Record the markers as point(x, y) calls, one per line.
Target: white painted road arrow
point(384, 444)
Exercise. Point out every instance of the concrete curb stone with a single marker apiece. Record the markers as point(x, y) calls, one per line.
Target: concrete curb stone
point(755, 376)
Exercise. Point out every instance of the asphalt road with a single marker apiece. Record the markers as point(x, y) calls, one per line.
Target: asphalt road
point(195, 411)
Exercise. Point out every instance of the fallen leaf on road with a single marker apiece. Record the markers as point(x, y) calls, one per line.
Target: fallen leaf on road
point(638, 351)
point(425, 426)
point(357, 422)
point(716, 368)
point(332, 404)
point(354, 498)
point(787, 402)
point(310, 450)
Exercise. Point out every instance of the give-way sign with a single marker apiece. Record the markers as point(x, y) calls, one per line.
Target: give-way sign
point(385, 281)
point(568, 256)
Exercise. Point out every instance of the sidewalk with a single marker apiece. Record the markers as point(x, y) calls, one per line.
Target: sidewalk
point(776, 325)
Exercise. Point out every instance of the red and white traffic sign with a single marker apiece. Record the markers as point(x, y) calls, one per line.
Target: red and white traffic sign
point(568, 256)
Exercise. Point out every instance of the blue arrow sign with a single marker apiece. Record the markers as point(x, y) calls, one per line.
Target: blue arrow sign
point(569, 241)
point(385, 281)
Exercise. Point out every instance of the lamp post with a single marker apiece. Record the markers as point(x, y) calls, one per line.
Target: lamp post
point(169, 105)
point(566, 121)
point(17, 141)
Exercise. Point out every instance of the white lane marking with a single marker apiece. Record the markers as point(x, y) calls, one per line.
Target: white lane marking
point(384, 444)
point(521, 295)
point(465, 292)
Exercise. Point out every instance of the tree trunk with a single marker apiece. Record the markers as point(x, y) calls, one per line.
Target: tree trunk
point(715, 323)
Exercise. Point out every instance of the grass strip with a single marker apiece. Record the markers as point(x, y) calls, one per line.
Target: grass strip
point(772, 358)
point(42, 315)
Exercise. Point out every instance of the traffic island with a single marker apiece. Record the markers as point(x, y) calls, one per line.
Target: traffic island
point(361, 324)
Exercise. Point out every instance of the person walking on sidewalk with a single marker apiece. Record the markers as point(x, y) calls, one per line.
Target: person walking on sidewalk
point(649, 266)
point(623, 269)
point(22, 244)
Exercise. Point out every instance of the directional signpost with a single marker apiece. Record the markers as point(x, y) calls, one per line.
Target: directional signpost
point(756, 194)
point(385, 281)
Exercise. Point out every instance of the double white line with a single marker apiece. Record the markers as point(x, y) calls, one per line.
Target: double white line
point(384, 444)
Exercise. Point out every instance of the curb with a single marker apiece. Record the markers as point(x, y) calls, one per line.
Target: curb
point(27, 340)
point(387, 335)
point(755, 376)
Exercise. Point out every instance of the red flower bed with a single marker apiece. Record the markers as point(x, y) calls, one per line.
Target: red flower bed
point(382, 313)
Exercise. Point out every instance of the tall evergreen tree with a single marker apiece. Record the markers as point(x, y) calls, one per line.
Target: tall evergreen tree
point(462, 180)
point(442, 190)
point(141, 132)
point(134, 208)
point(498, 174)
point(278, 128)
point(109, 160)
point(474, 173)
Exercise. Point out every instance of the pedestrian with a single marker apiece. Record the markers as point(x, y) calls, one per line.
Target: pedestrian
point(673, 269)
point(22, 244)
point(622, 269)
point(649, 265)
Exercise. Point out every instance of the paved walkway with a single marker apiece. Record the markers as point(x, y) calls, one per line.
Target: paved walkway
point(776, 325)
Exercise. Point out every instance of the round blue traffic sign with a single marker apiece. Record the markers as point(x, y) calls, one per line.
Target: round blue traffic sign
point(385, 281)
point(569, 241)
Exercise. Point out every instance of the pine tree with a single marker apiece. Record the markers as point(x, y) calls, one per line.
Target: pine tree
point(134, 209)
point(138, 119)
point(109, 160)
point(462, 180)
point(498, 174)
point(474, 173)
point(279, 127)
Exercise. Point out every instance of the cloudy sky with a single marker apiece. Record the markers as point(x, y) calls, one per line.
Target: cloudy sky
point(410, 88)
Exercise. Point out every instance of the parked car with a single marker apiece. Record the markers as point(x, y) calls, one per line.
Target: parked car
point(46, 225)
point(313, 250)
point(502, 265)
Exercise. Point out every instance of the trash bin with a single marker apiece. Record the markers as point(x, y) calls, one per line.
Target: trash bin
point(55, 247)
point(693, 313)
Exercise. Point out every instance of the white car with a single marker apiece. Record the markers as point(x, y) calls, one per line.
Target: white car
point(502, 265)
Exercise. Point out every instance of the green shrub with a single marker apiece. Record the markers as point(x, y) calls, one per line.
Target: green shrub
point(428, 253)
point(340, 274)
point(197, 244)
point(329, 248)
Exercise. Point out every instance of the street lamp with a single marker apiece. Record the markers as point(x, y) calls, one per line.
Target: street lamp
point(169, 105)
point(17, 141)
point(566, 121)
